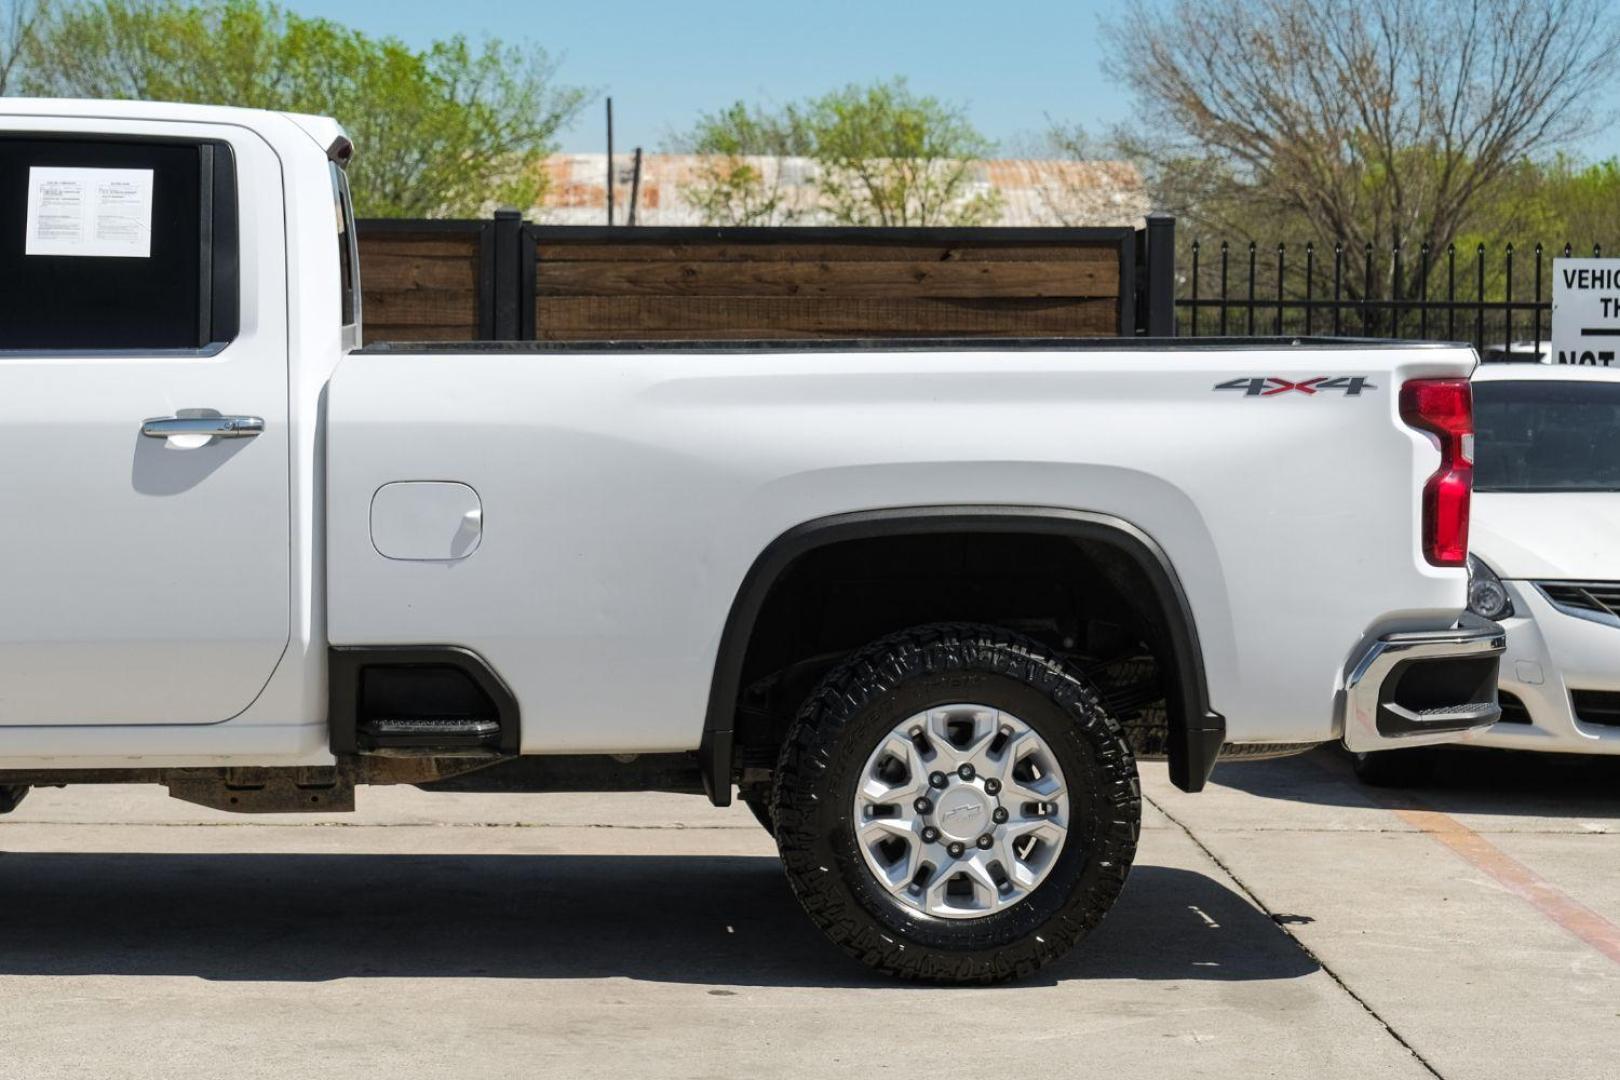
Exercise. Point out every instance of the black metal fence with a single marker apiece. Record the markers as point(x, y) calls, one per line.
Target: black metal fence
point(1490, 300)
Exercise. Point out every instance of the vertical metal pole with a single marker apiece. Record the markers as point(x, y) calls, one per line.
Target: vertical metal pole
point(1192, 321)
point(1310, 289)
point(1479, 297)
point(635, 189)
point(1423, 291)
point(1507, 296)
point(1279, 324)
point(1338, 285)
point(1161, 275)
point(610, 160)
point(1251, 288)
point(1367, 293)
point(507, 286)
point(1537, 308)
point(1395, 294)
point(1451, 292)
point(1224, 253)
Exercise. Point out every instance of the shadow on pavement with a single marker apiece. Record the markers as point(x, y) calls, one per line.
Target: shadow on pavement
point(1466, 781)
point(685, 919)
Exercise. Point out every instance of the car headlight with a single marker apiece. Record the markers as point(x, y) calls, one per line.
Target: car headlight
point(1487, 597)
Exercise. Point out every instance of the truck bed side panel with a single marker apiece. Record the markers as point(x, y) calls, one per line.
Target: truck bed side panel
point(625, 494)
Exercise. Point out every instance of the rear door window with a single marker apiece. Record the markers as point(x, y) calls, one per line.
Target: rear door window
point(116, 244)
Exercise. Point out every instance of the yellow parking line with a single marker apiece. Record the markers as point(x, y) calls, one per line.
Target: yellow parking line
point(1575, 917)
point(1547, 898)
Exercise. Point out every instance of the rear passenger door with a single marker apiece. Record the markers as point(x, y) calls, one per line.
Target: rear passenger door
point(144, 518)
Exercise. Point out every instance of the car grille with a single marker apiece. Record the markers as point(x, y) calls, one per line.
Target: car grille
point(1594, 597)
point(1513, 710)
point(1600, 708)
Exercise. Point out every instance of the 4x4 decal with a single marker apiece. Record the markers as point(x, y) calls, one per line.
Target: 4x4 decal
point(1271, 385)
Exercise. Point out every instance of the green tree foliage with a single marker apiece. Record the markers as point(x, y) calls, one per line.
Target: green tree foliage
point(739, 180)
point(438, 132)
point(18, 21)
point(1576, 203)
point(889, 157)
point(884, 155)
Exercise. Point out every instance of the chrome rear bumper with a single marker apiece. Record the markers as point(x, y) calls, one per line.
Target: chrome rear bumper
point(1424, 686)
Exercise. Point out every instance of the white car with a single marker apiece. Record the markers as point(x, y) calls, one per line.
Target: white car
point(1545, 561)
point(1518, 352)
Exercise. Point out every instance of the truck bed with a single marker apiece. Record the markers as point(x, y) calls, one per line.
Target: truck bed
point(940, 344)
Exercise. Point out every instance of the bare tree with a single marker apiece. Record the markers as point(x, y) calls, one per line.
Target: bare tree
point(18, 21)
point(1369, 121)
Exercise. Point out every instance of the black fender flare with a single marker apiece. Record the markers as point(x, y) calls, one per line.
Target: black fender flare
point(1196, 730)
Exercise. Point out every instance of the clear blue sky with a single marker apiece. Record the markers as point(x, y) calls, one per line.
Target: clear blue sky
point(664, 61)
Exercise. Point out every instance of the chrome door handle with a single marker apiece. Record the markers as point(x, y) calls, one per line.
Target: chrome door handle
point(219, 427)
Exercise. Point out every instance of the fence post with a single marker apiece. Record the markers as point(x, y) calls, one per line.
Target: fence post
point(506, 276)
point(1158, 309)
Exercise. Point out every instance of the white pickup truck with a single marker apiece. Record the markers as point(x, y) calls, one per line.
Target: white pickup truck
point(898, 595)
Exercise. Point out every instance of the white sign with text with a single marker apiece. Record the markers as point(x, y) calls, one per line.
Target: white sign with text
point(94, 213)
point(1586, 312)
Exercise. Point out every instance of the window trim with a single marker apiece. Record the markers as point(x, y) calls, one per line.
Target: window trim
point(350, 320)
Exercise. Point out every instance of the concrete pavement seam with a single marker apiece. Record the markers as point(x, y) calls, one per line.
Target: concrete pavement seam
point(1254, 899)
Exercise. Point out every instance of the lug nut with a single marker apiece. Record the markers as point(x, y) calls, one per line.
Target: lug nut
point(965, 772)
point(992, 786)
point(924, 805)
point(985, 841)
point(956, 849)
point(936, 779)
point(999, 815)
point(930, 835)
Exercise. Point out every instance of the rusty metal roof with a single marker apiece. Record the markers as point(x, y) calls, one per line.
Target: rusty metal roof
point(1032, 191)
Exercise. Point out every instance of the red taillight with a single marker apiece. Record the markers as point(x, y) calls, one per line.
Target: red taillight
point(1445, 409)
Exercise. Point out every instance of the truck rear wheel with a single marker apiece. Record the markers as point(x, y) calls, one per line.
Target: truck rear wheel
point(954, 805)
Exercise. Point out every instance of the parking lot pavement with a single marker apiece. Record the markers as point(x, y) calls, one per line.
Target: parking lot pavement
point(1280, 924)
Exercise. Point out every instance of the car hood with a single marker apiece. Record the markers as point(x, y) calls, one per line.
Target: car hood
point(1574, 536)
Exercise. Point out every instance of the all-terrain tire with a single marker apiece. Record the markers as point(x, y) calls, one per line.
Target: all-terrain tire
point(1412, 767)
point(859, 703)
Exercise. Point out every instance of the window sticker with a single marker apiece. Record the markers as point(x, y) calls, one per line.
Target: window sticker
point(94, 213)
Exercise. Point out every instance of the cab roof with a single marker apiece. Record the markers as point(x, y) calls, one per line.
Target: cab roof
point(322, 130)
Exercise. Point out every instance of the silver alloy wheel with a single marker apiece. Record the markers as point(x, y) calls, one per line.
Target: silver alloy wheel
point(961, 811)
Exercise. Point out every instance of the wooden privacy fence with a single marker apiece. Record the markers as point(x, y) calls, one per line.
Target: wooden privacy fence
point(505, 280)
point(427, 280)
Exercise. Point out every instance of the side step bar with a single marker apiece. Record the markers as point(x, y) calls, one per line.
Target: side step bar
point(428, 733)
point(418, 700)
